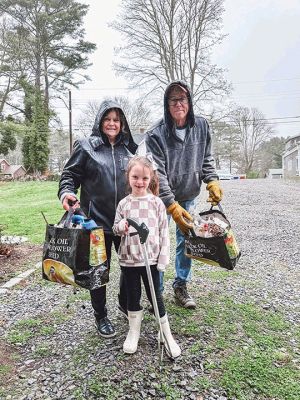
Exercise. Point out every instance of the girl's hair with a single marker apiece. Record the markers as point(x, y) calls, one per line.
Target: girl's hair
point(154, 182)
point(119, 114)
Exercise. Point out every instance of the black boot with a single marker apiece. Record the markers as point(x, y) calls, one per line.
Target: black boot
point(183, 298)
point(105, 327)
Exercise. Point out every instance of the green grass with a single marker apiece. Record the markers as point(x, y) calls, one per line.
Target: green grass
point(5, 369)
point(247, 352)
point(43, 351)
point(106, 390)
point(22, 337)
point(26, 329)
point(215, 274)
point(245, 371)
point(21, 204)
point(170, 392)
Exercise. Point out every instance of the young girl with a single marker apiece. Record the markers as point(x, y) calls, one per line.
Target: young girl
point(143, 205)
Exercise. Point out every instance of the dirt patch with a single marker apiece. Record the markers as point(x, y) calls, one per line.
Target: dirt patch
point(22, 257)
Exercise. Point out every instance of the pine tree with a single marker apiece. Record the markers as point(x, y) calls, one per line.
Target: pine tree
point(7, 137)
point(36, 142)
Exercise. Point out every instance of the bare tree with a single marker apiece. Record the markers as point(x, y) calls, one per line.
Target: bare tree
point(137, 115)
point(86, 119)
point(168, 40)
point(59, 150)
point(254, 130)
point(226, 141)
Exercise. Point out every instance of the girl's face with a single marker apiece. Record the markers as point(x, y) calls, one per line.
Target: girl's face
point(139, 179)
point(111, 126)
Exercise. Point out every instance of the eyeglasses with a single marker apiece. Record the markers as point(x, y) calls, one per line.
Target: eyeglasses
point(173, 100)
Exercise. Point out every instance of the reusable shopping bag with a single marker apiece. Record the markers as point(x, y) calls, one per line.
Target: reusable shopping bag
point(75, 256)
point(211, 240)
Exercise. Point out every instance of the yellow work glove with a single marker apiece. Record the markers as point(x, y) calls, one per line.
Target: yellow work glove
point(215, 192)
point(180, 216)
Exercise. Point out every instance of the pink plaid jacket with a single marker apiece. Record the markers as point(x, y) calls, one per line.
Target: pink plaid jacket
point(150, 210)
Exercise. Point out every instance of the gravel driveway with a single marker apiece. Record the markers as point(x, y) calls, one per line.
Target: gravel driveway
point(48, 339)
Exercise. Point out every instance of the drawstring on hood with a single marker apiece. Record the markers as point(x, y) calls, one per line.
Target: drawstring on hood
point(167, 116)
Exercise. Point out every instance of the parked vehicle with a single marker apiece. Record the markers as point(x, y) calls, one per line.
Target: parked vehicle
point(224, 175)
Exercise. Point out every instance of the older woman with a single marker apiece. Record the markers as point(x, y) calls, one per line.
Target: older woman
point(97, 166)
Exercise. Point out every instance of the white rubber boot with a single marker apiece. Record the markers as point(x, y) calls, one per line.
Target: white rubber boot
point(132, 338)
point(172, 348)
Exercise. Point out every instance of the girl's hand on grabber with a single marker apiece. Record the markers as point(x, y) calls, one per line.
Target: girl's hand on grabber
point(123, 227)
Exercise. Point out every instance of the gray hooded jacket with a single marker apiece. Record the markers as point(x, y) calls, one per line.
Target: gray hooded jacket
point(98, 168)
point(182, 165)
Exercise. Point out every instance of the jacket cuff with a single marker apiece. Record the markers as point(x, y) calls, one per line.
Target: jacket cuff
point(65, 194)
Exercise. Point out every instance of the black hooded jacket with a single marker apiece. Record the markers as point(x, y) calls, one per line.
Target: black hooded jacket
point(182, 164)
point(98, 168)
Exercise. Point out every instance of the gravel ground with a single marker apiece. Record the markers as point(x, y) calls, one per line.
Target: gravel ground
point(67, 360)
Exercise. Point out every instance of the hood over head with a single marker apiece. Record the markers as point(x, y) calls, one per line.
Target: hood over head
point(98, 137)
point(167, 116)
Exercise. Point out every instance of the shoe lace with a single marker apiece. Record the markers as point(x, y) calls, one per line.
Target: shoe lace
point(183, 293)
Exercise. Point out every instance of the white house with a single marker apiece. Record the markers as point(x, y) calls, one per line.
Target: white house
point(291, 157)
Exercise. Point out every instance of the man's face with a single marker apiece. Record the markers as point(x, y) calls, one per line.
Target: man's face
point(178, 106)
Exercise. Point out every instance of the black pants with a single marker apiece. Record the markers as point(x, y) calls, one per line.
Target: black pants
point(132, 280)
point(98, 296)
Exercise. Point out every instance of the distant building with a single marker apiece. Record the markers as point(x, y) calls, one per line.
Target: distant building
point(275, 173)
point(8, 171)
point(291, 157)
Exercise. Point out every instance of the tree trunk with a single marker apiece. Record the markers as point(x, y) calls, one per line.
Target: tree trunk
point(4, 96)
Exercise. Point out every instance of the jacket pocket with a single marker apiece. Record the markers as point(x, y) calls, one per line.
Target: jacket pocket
point(123, 162)
point(187, 186)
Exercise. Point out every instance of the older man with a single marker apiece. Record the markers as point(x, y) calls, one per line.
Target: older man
point(181, 146)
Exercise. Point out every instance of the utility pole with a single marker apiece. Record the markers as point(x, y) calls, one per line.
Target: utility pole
point(70, 122)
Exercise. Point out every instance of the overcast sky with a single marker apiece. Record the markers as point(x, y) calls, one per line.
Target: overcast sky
point(261, 54)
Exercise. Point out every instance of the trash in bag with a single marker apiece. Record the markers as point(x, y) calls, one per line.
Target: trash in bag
point(74, 252)
point(211, 240)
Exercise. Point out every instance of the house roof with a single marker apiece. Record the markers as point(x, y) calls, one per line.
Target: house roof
point(12, 169)
point(292, 137)
point(3, 159)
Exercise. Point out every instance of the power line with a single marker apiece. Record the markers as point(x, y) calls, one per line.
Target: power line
point(267, 80)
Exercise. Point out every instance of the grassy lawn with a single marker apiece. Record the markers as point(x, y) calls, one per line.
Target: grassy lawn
point(21, 204)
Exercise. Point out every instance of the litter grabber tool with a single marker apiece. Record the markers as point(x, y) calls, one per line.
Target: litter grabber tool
point(143, 231)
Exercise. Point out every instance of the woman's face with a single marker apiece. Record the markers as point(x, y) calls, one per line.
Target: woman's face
point(111, 126)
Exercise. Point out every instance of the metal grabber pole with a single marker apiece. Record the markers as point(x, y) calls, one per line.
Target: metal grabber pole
point(143, 231)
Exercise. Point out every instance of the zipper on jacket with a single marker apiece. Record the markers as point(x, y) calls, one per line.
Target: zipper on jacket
point(115, 171)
